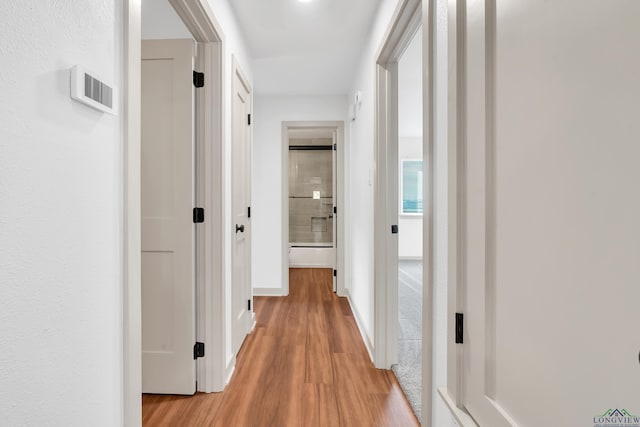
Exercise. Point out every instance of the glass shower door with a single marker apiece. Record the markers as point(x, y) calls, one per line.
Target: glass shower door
point(311, 196)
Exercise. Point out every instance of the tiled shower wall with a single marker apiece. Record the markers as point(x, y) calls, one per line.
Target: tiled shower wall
point(310, 198)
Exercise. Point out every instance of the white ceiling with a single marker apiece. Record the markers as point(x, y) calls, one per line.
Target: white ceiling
point(305, 48)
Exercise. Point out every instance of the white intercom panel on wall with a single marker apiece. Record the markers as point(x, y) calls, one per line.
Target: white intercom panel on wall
point(88, 89)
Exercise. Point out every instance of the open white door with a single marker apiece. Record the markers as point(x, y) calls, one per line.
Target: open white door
point(240, 199)
point(549, 211)
point(168, 232)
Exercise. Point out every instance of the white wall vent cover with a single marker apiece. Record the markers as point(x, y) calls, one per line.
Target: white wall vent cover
point(88, 89)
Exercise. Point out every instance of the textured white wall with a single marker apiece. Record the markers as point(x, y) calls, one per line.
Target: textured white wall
point(60, 218)
point(361, 134)
point(270, 112)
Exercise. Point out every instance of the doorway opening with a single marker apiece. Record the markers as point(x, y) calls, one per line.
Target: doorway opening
point(168, 240)
point(408, 368)
point(312, 186)
point(311, 198)
point(210, 313)
point(404, 188)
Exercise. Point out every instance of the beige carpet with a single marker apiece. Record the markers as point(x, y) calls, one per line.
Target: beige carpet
point(409, 367)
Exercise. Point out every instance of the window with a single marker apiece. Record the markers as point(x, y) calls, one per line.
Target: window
point(411, 187)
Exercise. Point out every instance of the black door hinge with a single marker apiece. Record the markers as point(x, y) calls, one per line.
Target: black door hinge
point(335, 147)
point(249, 304)
point(394, 229)
point(249, 119)
point(198, 350)
point(335, 273)
point(198, 215)
point(249, 212)
point(459, 328)
point(198, 79)
point(335, 209)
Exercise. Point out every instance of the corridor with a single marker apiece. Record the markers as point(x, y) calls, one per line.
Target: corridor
point(304, 365)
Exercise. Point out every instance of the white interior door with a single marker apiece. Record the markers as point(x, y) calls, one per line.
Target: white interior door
point(550, 211)
point(167, 186)
point(241, 197)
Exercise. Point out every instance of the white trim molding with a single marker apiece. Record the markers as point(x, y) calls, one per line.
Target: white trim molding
point(201, 22)
point(132, 238)
point(268, 292)
point(429, 186)
point(460, 416)
point(229, 370)
point(456, 41)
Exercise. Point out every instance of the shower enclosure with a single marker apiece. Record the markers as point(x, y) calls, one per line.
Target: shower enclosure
point(311, 202)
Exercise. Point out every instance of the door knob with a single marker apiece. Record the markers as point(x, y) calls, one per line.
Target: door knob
point(240, 228)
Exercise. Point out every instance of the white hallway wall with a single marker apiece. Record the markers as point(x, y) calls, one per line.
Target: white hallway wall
point(60, 218)
point(164, 23)
point(266, 212)
point(360, 176)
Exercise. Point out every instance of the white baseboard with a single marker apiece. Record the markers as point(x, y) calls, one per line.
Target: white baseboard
point(359, 323)
point(268, 292)
point(253, 322)
point(310, 265)
point(410, 258)
point(461, 418)
point(231, 367)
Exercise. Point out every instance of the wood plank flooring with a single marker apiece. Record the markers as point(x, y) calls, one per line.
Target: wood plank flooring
point(304, 365)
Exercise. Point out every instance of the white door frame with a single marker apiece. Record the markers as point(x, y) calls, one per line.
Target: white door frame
point(453, 393)
point(408, 16)
point(200, 20)
point(338, 127)
point(131, 220)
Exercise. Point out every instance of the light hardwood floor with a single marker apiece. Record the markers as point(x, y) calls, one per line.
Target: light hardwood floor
point(304, 365)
